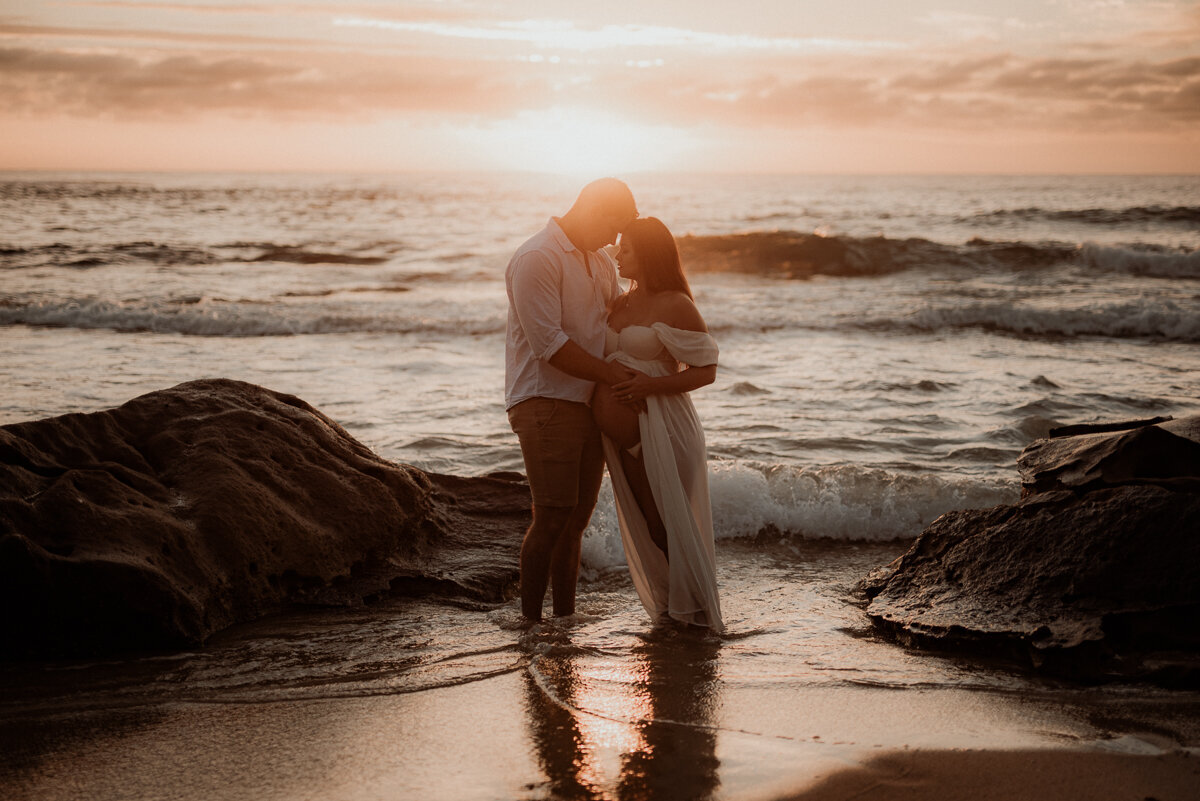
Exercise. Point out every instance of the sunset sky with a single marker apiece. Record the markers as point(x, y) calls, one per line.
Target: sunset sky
point(871, 86)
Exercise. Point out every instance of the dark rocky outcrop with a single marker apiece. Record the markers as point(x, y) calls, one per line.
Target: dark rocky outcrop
point(1094, 573)
point(186, 510)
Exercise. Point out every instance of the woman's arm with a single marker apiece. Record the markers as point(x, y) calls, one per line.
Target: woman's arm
point(680, 313)
point(642, 385)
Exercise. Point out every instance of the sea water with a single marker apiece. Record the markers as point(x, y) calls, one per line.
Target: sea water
point(845, 407)
point(849, 411)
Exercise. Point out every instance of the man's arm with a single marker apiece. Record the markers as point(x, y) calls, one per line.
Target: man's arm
point(535, 294)
point(575, 361)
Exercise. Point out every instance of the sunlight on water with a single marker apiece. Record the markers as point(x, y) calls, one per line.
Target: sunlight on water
point(846, 405)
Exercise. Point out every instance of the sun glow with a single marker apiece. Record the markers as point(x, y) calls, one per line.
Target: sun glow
point(585, 141)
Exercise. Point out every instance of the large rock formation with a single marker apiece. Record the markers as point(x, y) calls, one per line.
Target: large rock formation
point(1095, 572)
point(183, 511)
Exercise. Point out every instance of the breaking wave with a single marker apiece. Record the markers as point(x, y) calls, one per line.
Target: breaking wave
point(786, 254)
point(780, 254)
point(302, 313)
point(198, 317)
point(1170, 215)
point(843, 502)
point(1158, 319)
point(154, 253)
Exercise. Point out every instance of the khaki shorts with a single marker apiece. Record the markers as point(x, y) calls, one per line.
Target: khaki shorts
point(564, 457)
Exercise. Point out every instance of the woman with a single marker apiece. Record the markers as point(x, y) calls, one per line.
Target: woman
point(656, 456)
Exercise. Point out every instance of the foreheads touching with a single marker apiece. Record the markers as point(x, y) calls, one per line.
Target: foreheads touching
point(609, 197)
point(605, 207)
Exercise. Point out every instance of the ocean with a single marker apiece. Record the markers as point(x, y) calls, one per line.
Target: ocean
point(859, 397)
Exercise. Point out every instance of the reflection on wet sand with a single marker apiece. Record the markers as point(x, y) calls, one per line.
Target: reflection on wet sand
point(638, 728)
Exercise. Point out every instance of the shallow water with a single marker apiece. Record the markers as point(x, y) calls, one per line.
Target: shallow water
point(849, 407)
point(793, 621)
point(416, 698)
point(848, 412)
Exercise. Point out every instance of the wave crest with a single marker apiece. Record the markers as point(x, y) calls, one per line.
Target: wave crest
point(845, 502)
point(196, 317)
point(60, 254)
point(784, 254)
point(1161, 320)
point(1171, 215)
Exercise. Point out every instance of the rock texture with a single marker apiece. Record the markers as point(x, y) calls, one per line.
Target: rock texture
point(186, 510)
point(1095, 572)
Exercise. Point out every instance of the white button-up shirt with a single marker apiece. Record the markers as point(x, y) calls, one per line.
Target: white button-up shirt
point(552, 298)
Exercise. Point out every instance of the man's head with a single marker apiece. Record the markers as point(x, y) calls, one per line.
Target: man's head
point(604, 208)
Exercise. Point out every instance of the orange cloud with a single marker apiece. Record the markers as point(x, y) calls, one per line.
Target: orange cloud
point(410, 65)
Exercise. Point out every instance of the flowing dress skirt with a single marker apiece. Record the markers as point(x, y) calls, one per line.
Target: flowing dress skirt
point(676, 460)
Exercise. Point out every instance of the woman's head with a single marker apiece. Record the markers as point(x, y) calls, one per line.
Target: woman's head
point(649, 248)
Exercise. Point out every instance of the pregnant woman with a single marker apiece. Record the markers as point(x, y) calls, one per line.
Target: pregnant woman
point(656, 456)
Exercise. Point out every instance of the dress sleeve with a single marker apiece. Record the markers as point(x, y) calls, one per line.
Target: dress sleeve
point(695, 348)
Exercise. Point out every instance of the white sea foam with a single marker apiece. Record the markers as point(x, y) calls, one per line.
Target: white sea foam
point(845, 502)
point(848, 502)
point(1158, 262)
point(225, 319)
point(1156, 318)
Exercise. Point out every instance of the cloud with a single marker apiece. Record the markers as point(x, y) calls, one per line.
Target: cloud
point(566, 35)
point(109, 35)
point(949, 74)
point(1001, 91)
point(962, 25)
point(275, 9)
point(190, 8)
point(1116, 93)
point(107, 83)
point(922, 90)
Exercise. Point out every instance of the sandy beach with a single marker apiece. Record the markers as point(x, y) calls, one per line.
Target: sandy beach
point(502, 738)
point(599, 706)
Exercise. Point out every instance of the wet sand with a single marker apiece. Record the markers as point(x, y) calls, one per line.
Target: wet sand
point(532, 733)
point(1011, 776)
point(434, 699)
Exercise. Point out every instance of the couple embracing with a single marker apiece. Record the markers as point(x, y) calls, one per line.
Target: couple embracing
point(595, 376)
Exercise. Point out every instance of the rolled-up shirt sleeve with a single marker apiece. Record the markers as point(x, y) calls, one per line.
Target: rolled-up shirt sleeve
point(537, 299)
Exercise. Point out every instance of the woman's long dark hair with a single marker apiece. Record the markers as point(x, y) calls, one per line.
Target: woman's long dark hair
point(657, 254)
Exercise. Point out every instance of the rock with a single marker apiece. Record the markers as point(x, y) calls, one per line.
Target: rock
point(1094, 573)
point(1165, 452)
point(157, 523)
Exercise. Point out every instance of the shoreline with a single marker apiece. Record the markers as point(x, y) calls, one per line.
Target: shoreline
point(506, 737)
point(428, 698)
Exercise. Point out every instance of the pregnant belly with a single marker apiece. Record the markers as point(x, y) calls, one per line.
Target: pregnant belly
point(618, 421)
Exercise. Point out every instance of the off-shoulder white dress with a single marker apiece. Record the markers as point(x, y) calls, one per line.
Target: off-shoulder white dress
point(677, 465)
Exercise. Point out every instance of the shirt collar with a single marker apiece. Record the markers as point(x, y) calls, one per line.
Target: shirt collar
point(560, 236)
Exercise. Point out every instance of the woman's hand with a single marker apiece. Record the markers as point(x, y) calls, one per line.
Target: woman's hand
point(635, 389)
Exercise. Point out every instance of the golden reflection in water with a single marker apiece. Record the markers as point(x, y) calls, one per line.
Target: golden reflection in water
point(640, 727)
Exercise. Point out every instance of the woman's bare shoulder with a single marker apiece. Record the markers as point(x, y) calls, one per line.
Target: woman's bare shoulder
point(680, 311)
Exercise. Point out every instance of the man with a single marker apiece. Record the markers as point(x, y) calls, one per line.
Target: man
point(560, 284)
